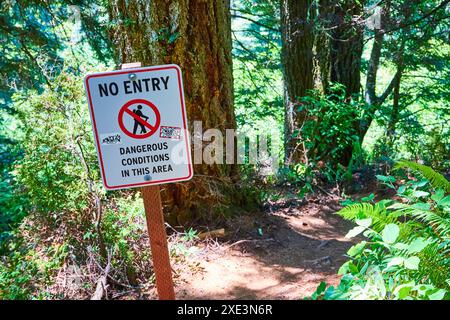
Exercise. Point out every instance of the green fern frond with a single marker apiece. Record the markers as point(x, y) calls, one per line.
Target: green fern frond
point(437, 180)
point(440, 224)
point(358, 211)
point(439, 221)
point(434, 265)
point(380, 217)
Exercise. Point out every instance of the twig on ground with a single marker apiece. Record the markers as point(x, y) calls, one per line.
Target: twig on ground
point(246, 240)
point(102, 282)
point(323, 243)
point(320, 260)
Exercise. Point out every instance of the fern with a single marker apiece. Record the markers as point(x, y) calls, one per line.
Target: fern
point(439, 221)
point(380, 217)
point(437, 180)
point(426, 217)
point(360, 211)
point(434, 265)
point(441, 225)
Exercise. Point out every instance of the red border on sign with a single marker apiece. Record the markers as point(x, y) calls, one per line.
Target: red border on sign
point(177, 68)
point(153, 129)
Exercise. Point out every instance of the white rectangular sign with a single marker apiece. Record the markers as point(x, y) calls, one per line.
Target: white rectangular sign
point(140, 126)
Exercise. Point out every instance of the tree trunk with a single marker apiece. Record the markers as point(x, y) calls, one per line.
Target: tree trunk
point(298, 70)
point(372, 70)
point(395, 113)
point(346, 53)
point(370, 95)
point(347, 45)
point(196, 35)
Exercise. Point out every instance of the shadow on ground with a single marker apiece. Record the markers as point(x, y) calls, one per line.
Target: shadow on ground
point(283, 253)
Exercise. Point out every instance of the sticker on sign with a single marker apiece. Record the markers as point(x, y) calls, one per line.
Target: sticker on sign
point(140, 127)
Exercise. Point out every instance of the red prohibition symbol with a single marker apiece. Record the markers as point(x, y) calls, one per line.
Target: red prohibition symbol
point(142, 128)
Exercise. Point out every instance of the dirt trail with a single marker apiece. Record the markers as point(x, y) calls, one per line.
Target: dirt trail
point(283, 253)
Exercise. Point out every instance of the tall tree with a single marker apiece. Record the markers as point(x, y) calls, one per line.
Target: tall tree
point(196, 35)
point(346, 49)
point(297, 34)
point(321, 44)
point(347, 44)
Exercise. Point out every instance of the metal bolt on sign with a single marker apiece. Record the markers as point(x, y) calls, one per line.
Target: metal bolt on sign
point(132, 76)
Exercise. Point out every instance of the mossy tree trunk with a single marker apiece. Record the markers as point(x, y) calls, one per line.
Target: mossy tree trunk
point(196, 35)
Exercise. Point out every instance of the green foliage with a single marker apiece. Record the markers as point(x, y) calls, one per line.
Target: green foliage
point(25, 272)
point(407, 255)
point(47, 179)
point(12, 209)
point(183, 246)
point(125, 234)
point(29, 43)
point(436, 179)
point(328, 133)
point(58, 175)
point(56, 147)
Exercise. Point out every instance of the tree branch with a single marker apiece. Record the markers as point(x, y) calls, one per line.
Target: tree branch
point(255, 22)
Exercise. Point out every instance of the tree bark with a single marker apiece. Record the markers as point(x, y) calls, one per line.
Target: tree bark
point(298, 55)
point(347, 45)
point(196, 35)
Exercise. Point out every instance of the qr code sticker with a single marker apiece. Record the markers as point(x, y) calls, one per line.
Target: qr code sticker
point(170, 132)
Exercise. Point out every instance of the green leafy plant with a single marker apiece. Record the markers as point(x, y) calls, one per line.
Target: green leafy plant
point(405, 253)
point(436, 179)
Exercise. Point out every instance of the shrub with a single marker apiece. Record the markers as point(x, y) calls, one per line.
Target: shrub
point(406, 251)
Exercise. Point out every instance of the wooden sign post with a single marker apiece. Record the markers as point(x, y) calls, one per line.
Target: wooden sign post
point(140, 130)
point(158, 242)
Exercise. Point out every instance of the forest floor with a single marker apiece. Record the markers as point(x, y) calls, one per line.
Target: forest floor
point(283, 252)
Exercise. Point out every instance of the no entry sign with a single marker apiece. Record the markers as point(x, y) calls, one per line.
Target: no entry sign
point(140, 127)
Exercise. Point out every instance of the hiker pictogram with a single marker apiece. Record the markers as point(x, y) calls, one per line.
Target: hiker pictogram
point(140, 111)
point(137, 123)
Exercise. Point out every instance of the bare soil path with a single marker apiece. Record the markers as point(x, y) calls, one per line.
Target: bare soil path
point(283, 253)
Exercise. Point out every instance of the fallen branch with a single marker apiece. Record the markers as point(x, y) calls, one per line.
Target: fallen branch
point(102, 282)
